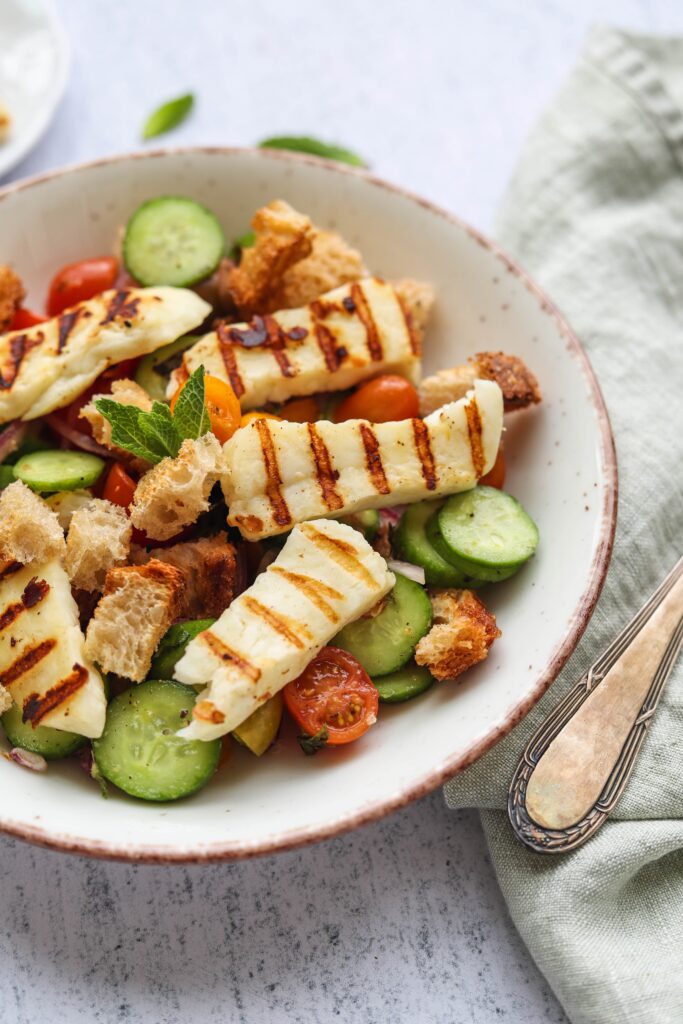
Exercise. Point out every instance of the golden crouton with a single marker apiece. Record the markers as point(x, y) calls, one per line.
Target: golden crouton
point(12, 295)
point(137, 607)
point(29, 529)
point(330, 264)
point(173, 493)
point(98, 540)
point(210, 573)
point(126, 392)
point(417, 299)
point(461, 636)
point(516, 381)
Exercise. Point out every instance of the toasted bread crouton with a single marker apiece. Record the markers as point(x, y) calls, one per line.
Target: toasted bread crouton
point(126, 392)
point(29, 529)
point(516, 381)
point(98, 540)
point(417, 299)
point(461, 636)
point(283, 237)
point(173, 493)
point(330, 264)
point(210, 573)
point(137, 607)
point(12, 295)
point(65, 503)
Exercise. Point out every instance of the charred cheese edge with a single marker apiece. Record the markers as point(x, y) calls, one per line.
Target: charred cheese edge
point(281, 473)
point(47, 366)
point(347, 335)
point(42, 661)
point(326, 576)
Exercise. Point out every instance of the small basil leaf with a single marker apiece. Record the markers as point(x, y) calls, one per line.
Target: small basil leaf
point(307, 144)
point(169, 115)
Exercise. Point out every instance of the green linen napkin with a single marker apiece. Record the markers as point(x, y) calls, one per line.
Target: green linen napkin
point(595, 213)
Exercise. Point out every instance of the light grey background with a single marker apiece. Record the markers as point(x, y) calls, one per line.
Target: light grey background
point(400, 921)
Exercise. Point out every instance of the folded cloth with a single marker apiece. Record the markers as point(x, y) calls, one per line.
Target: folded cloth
point(595, 213)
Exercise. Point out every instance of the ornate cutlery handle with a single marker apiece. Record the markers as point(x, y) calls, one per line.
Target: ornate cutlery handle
point(576, 766)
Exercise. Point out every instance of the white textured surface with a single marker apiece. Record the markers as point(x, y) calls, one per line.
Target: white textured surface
point(401, 921)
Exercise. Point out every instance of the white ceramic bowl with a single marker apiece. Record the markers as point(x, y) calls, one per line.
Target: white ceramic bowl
point(561, 466)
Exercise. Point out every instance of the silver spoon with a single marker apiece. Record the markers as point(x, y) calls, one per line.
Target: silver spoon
point(577, 764)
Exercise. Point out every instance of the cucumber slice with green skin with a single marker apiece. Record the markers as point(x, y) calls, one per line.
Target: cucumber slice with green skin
point(30, 444)
point(59, 470)
point(172, 646)
point(52, 744)
point(155, 369)
point(408, 682)
point(172, 240)
point(366, 522)
point(485, 533)
point(414, 546)
point(139, 751)
point(386, 642)
point(6, 476)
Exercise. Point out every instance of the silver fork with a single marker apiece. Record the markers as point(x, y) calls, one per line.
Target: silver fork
point(577, 764)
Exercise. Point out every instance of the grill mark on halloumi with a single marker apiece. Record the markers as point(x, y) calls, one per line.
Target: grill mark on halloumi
point(227, 654)
point(423, 448)
point(9, 569)
point(327, 476)
point(276, 343)
point(67, 322)
point(278, 623)
point(327, 343)
point(34, 592)
point(413, 333)
point(19, 347)
point(366, 318)
point(205, 711)
point(26, 661)
point(36, 706)
point(278, 504)
point(373, 459)
point(229, 360)
point(120, 305)
point(341, 552)
point(474, 428)
point(314, 590)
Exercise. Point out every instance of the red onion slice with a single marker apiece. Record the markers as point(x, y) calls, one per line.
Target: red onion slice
point(391, 515)
point(76, 437)
point(27, 759)
point(413, 572)
point(11, 437)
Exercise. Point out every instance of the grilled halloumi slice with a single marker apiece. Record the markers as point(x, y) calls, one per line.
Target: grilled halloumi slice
point(281, 473)
point(345, 336)
point(42, 661)
point(47, 366)
point(325, 576)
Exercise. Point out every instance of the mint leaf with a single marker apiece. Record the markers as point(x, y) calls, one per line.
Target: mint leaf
point(127, 431)
point(189, 415)
point(159, 429)
point(169, 115)
point(307, 144)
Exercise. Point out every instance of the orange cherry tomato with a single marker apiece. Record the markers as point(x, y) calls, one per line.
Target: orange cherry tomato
point(300, 410)
point(249, 417)
point(496, 475)
point(119, 487)
point(385, 398)
point(25, 318)
point(222, 405)
point(80, 281)
point(333, 692)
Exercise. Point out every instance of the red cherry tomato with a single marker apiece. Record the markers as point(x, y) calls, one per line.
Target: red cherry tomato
point(119, 486)
point(334, 692)
point(381, 400)
point(496, 475)
point(101, 386)
point(80, 281)
point(25, 318)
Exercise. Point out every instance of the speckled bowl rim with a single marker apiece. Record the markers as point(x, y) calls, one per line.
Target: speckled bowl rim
point(240, 849)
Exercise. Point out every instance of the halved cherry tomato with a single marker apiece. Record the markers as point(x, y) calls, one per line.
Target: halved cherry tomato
point(381, 400)
point(300, 410)
point(249, 417)
point(119, 487)
point(80, 281)
point(496, 475)
point(333, 692)
point(25, 318)
point(222, 405)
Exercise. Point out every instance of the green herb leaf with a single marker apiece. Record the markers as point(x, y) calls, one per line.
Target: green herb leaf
point(159, 429)
point(312, 744)
point(307, 144)
point(245, 241)
point(169, 115)
point(126, 430)
point(190, 416)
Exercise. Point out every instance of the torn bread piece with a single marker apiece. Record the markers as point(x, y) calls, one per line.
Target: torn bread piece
point(211, 575)
point(43, 663)
point(325, 576)
point(347, 335)
point(176, 491)
point(461, 636)
point(514, 378)
point(330, 264)
point(125, 392)
point(138, 605)
point(47, 366)
point(98, 540)
point(29, 529)
point(12, 291)
point(278, 473)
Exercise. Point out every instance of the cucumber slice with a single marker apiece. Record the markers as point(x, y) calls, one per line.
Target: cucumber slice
point(408, 682)
point(485, 533)
point(172, 646)
point(386, 642)
point(259, 730)
point(155, 369)
point(59, 470)
point(172, 240)
point(51, 743)
point(414, 546)
point(366, 522)
point(139, 750)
